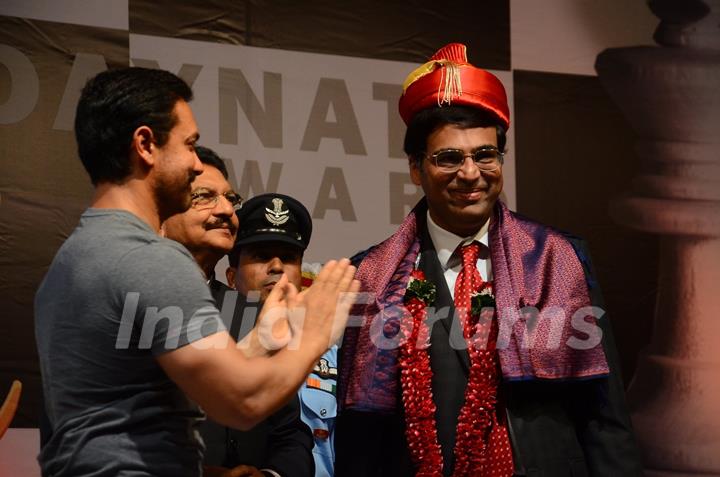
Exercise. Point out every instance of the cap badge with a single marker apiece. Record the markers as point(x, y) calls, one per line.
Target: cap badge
point(277, 216)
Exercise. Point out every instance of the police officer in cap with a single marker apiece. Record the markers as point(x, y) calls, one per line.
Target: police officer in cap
point(275, 230)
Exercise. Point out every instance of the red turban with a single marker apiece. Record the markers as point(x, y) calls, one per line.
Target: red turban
point(448, 79)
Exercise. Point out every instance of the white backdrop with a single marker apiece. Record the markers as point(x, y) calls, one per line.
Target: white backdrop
point(330, 147)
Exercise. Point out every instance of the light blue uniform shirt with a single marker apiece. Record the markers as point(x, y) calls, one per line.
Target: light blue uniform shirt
point(318, 409)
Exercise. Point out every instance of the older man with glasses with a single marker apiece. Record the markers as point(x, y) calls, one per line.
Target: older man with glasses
point(208, 227)
point(282, 444)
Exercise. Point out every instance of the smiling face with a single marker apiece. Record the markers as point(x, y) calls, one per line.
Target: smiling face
point(209, 230)
point(260, 266)
point(460, 202)
point(177, 164)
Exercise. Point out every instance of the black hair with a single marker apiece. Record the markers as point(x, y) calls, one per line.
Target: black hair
point(113, 105)
point(429, 120)
point(209, 157)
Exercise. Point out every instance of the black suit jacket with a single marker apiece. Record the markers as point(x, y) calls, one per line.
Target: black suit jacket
point(282, 442)
point(557, 429)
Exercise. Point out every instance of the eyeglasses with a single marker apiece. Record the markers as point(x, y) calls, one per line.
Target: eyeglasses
point(487, 159)
point(207, 199)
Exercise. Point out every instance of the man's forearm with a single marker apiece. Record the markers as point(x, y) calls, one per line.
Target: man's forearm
point(276, 380)
point(239, 392)
point(232, 389)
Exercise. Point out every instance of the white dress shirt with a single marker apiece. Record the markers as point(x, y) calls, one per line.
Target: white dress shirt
point(446, 244)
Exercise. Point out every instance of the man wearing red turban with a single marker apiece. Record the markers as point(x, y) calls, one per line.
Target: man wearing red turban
point(484, 350)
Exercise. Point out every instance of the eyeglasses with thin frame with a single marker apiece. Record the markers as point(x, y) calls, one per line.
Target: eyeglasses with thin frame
point(207, 199)
point(486, 158)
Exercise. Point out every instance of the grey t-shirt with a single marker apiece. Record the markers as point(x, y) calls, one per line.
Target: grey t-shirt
point(115, 296)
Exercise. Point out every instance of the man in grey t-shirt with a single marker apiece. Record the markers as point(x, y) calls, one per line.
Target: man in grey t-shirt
point(128, 335)
point(111, 404)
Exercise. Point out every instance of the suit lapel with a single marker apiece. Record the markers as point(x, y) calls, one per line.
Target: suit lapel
point(449, 366)
point(430, 265)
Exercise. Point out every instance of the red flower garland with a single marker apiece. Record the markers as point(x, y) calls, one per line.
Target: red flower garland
point(477, 422)
point(415, 379)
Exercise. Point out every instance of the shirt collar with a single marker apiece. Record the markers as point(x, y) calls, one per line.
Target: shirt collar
point(447, 242)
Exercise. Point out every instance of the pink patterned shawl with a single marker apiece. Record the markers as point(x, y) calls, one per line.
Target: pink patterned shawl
point(533, 266)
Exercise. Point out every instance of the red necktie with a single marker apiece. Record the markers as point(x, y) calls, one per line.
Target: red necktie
point(496, 446)
point(468, 282)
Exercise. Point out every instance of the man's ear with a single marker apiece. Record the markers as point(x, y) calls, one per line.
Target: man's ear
point(230, 276)
point(415, 171)
point(143, 144)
